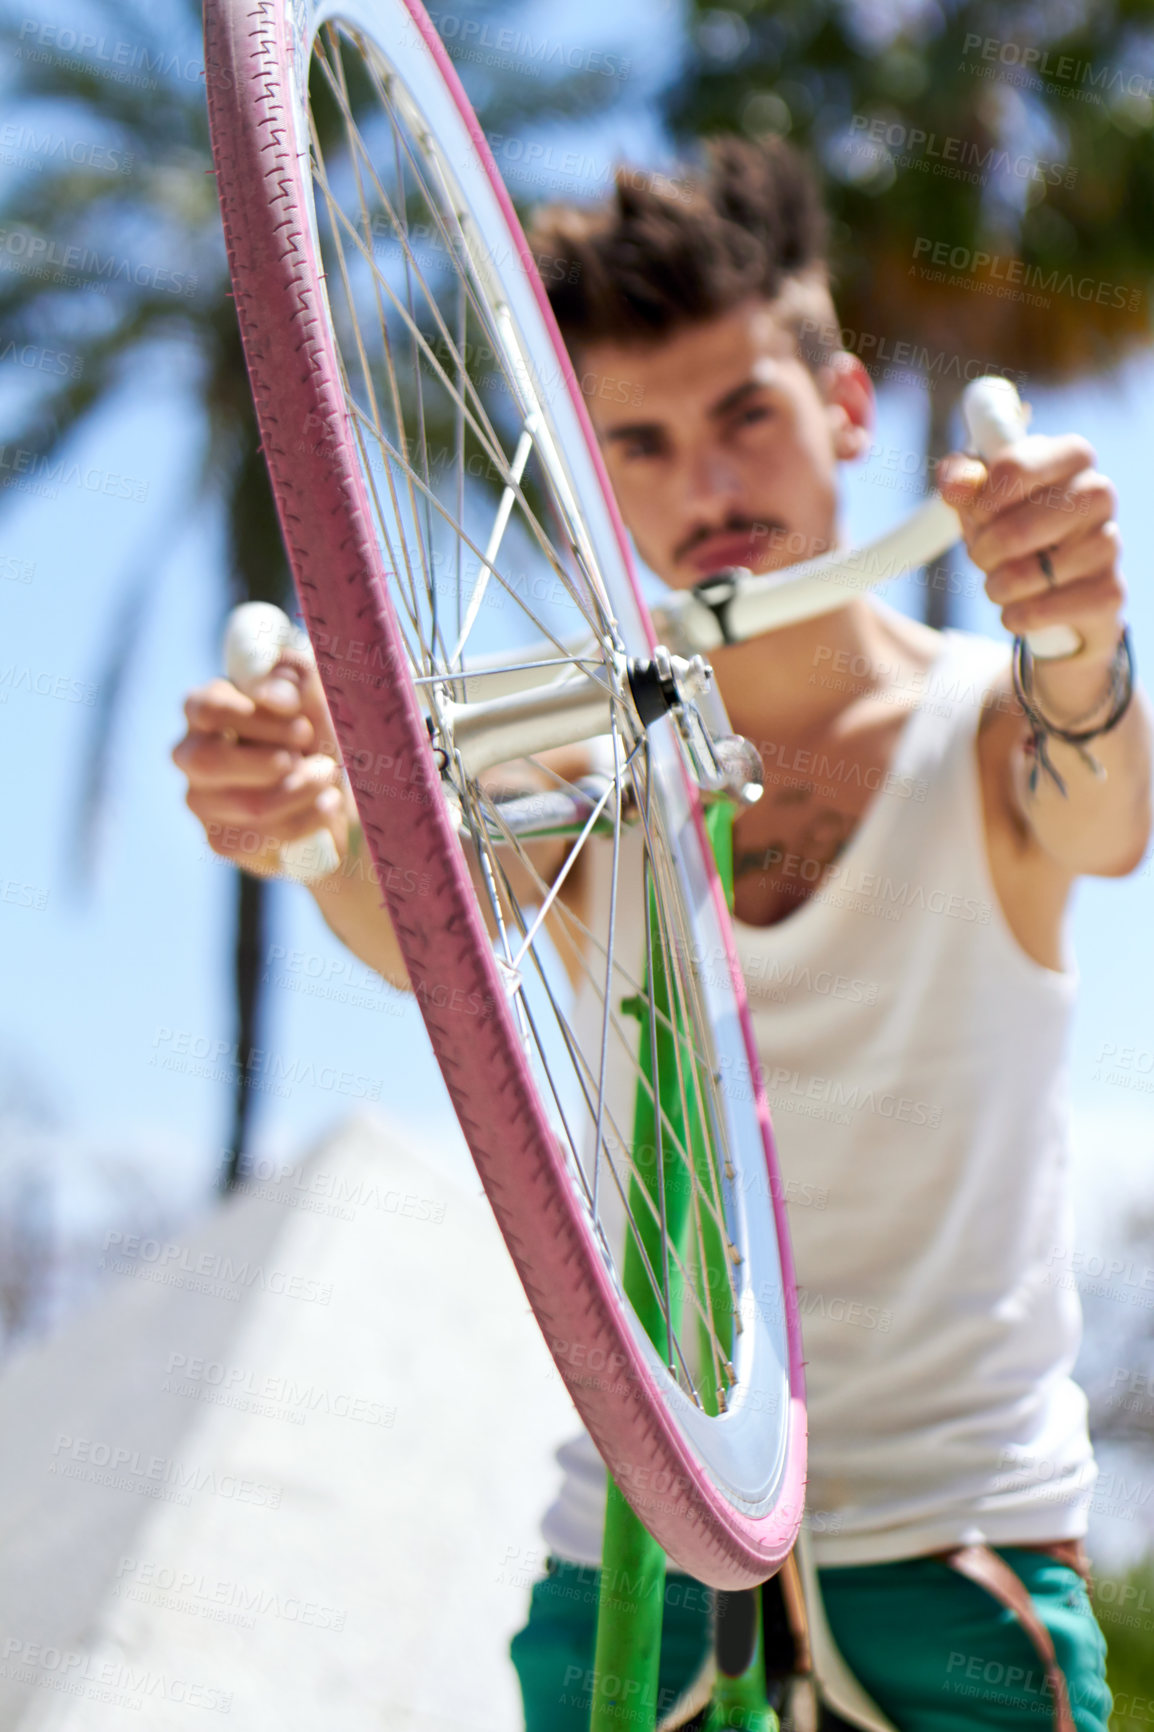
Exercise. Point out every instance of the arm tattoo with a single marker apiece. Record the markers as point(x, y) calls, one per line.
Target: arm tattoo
point(759, 859)
point(824, 839)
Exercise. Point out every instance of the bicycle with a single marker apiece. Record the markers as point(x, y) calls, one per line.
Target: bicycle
point(470, 598)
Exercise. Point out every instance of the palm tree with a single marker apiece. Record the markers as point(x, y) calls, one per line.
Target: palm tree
point(989, 170)
point(119, 258)
point(140, 211)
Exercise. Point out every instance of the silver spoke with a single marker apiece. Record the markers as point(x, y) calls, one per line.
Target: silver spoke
point(504, 511)
point(558, 882)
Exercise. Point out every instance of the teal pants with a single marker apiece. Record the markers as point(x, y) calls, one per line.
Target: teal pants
point(934, 1650)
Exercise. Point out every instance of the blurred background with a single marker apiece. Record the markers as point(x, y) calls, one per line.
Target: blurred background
point(990, 170)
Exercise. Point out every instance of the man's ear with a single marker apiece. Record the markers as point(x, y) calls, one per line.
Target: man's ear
point(849, 395)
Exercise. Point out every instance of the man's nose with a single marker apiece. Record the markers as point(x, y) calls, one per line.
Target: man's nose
point(711, 477)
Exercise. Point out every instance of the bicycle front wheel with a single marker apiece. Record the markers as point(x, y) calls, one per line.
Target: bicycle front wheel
point(452, 536)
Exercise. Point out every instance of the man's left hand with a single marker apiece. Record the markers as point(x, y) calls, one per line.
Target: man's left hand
point(1039, 521)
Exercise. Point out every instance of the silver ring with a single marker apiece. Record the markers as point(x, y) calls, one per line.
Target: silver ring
point(1047, 566)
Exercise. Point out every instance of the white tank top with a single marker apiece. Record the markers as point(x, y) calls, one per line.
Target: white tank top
point(915, 1065)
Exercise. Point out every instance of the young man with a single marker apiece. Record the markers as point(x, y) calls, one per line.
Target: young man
point(903, 845)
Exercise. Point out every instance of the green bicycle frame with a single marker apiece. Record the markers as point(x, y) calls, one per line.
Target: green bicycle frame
point(629, 1613)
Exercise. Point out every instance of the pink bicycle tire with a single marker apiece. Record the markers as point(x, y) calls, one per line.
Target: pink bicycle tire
point(335, 558)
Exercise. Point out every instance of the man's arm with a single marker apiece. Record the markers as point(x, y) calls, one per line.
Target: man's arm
point(353, 906)
point(351, 900)
point(1045, 498)
point(265, 770)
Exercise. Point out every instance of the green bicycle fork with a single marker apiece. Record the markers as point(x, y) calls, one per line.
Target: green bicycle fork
point(629, 1613)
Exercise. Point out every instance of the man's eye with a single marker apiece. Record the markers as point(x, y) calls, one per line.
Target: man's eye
point(642, 446)
point(755, 412)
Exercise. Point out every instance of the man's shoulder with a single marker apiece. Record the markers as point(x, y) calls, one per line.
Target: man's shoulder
point(913, 660)
point(930, 645)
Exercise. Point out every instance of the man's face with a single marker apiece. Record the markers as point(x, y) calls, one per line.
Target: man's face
point(722, 445)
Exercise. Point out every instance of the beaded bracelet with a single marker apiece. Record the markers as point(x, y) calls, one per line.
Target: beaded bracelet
point(1119, 695)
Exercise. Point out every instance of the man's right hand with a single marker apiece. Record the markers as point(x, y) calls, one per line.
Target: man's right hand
point(266, 769)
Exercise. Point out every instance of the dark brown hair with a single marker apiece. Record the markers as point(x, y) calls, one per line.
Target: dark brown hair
point(662, 252)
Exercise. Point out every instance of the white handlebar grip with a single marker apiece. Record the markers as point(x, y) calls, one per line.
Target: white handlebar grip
point(994, 414)
point(995, 417)
point(257, 637)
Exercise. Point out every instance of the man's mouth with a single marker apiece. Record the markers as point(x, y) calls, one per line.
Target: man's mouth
point(749, 547)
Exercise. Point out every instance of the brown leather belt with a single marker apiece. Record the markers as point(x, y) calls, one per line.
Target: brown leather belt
point(981, 1565)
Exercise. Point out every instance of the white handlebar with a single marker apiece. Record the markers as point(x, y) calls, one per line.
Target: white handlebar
point(996, 417)
point(259, 636)
point(994, 414)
